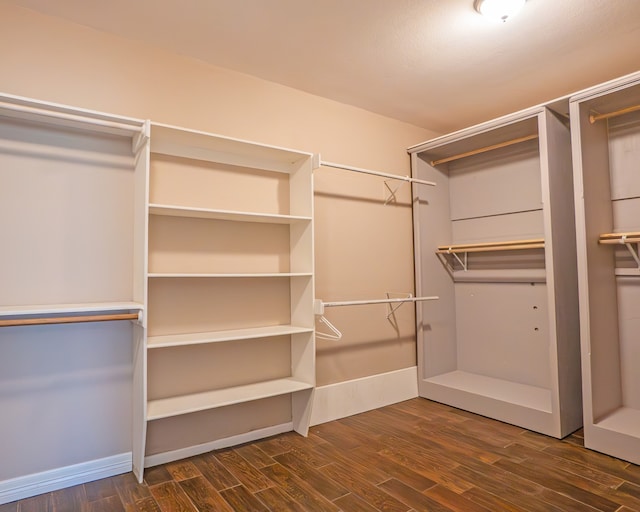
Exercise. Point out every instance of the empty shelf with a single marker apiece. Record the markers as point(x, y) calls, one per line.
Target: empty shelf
point(537, 275)
point(624, 420)
point(222, 336)
point(175, 406)
point(55, 309)
point(206, 213)
point(532, 397)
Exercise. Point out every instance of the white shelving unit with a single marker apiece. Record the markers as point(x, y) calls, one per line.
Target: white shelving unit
point(230, 290)
point(495, 242)
point(70, 260)
point(605, 124)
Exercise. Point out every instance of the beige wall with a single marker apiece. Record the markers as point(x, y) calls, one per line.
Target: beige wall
point(363, 248)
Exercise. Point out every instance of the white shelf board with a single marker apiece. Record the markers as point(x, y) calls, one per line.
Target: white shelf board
point(177, 340)
point(537, 275)
point(268, 274)
point(524, 395)
point(624, 420)
point(628, 272)
point(180, 142)
point(176, 406)
point(238, 216)
point(53, 309)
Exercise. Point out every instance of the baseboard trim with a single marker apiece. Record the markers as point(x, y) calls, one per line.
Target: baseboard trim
point(343, 399)
point(183, 453)
point(38, 483)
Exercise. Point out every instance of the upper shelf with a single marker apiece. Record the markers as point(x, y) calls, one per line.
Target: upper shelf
point(199, 275)
point(237, 216)
point(180, 142)
point(508, 245)
point(55, 309)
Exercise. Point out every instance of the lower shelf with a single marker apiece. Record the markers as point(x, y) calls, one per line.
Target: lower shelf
point(532, 397)
point(624, 420)
point(176, 406)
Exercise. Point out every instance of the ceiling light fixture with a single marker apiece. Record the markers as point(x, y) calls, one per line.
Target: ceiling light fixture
point(500, 10)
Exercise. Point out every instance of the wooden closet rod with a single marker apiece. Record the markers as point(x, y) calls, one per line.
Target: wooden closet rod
point(68, 319)
point(620, 238)
point(511, 245)
point(484, 150)
point(598, 117)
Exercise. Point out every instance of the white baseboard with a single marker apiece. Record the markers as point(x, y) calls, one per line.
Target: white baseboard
point(183, 453)
point(59, 478)
point(344, 399)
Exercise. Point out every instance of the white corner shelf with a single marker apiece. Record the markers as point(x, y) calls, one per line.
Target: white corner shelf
point(236, 216)
point(198, 338)
point(186, 404)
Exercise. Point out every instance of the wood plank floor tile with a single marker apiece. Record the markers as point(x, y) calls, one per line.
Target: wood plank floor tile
point(143, 505)
point(352, 503)
point(204, 496)
point(183, 470)
point(171, 498)
point(215, 472)
point(454, 501)
point(41, 503)
point(67, 500)
point(130, 491)
point(298, 489)
point(367, 491)
point(367, 473)
point(9, 507)
point(312, 476)
point(561, 482)
point(254, 455)
point(242, 500)
point(249, 476)
point(157, 475)
point(394, 470)
point(110, 504)
point(414, 499)
point(279, 501)
point(100, 489)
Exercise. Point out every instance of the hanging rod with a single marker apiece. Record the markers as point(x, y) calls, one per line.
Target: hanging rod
point(376, 173)
point(483, 150)
point(69, 319)
point(619, 238)
point(598, 117)
point(376, 301)
point(24, 109)
point(509, 245)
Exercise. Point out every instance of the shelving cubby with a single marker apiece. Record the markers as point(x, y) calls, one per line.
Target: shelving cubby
point(606, 157)
point(495, 241)
point(230, 292)
point(72, 254)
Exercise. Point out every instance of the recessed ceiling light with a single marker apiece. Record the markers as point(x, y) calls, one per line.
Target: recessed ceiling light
point(500, 10)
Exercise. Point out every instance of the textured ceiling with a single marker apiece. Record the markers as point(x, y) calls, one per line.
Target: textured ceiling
point(433, 63)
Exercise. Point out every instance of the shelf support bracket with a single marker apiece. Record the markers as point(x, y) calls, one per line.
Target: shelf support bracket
point(630, 248)
point(463, 263)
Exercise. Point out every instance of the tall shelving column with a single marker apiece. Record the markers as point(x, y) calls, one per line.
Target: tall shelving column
point(230, 347)
point(495, 241)
point(70, 261)
point(605, 124)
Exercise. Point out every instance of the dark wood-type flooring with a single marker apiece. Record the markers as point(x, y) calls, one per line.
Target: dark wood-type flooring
point(412, 456)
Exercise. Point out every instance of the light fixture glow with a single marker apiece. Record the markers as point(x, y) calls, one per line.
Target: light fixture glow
point(500, 10)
